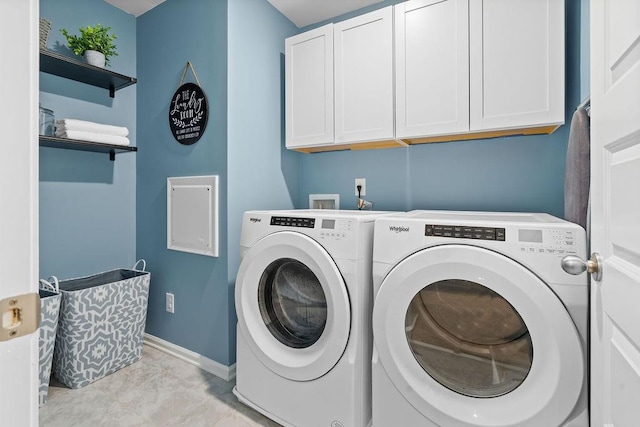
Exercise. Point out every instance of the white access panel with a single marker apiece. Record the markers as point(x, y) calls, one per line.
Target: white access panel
point(192, 214)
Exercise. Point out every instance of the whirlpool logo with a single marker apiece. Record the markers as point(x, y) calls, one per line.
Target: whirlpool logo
point(254, 220)
point(398, 229)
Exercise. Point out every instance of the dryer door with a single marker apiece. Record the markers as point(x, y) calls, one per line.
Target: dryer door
point(293, 306)
point(470, 337)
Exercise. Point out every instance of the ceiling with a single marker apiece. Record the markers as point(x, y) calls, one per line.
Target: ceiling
point(307, 12)
point(135, 7)
point(300, 12)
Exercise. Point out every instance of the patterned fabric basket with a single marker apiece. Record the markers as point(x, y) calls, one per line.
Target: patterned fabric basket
point(45, 27)
point(101, 326)
point(49, 310)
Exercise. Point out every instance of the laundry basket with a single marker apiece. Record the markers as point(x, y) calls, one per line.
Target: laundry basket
point(49, 310)
point(101, 326)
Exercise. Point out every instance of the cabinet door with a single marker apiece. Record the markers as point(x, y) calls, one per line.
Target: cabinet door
point(309, 88)
point(432, 67)
point(364, 77)
point(517, 63)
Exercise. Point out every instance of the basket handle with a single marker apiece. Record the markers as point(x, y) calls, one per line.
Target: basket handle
point(51, 285)
point(144, 265)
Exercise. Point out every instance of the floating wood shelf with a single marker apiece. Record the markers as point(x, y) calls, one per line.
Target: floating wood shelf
point(74, 144)
point(64, 66)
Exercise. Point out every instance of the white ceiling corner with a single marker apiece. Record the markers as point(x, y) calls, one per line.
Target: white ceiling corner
point(135, 7)
point(300, 12)
point(307, 12)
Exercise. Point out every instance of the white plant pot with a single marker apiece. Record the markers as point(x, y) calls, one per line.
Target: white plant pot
point(93, 57)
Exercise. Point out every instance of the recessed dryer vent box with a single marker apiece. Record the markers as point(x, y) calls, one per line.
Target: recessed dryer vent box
point(192, 214)
point(324, 201)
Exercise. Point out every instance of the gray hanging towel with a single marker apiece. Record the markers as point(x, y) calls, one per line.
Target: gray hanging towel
point(577, 173)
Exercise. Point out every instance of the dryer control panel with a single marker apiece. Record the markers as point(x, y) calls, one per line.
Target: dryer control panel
point(465, 232)
point(547, 241)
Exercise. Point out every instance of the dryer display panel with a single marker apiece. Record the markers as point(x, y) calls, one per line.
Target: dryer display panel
point(468, 338)
point(549, 242)
point(292, 303)
point(465, 232)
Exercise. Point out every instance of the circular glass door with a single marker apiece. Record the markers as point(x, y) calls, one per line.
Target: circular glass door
point(292, 303)
point(293, 306)
point(469, 336)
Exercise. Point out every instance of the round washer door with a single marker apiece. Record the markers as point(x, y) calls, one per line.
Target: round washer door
point(470, 337)
point(293, 307)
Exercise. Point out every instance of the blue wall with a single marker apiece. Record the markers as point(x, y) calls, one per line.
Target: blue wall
point(262, 173)
point(87, 203)
point(93, 218)
point(585, 33)
point(167, 37)
point(524, 173)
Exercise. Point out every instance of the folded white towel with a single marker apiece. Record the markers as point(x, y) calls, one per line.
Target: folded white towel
point(93, 137)
point(85, 126)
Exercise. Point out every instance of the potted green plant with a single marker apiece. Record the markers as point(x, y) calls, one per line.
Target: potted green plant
point(95, 43)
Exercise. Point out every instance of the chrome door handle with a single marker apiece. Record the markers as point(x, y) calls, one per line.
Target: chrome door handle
point(573, 264)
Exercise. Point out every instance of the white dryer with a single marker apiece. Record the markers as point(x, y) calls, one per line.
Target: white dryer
point(475, 322)
point(304, 297)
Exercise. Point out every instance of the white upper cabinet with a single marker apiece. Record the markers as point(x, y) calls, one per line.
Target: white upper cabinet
point(432, 67)
point(309, 88)
point(427, 71)
point(516, 63)
point(364, 84)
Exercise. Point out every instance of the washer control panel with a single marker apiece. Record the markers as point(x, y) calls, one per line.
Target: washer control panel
point(548, 241)
point(465, 232)
point(327, 228)
point(287, 221)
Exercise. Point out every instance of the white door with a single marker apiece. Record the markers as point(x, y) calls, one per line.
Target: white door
point(432, 67)
point(19, 202)
point(309, 88)
point(363, 54)
point(293, 306)
point(516, 63)
point(615, 216)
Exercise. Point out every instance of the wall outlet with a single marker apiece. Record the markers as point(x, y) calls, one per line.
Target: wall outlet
point(170, 306)
point(363, 188)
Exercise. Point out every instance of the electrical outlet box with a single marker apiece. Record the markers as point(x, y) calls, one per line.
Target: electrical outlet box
point(170, 302)
point(363, 183)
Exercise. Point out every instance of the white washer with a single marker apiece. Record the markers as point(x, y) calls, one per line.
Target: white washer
point(304, 297)
point(475, 323)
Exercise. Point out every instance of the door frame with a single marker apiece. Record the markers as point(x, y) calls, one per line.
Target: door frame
point(19, 85)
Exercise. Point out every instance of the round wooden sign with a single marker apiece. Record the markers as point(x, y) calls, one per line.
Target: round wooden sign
point(188, 113)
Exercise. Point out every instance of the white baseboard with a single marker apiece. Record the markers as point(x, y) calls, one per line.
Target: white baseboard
point(227, 373)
